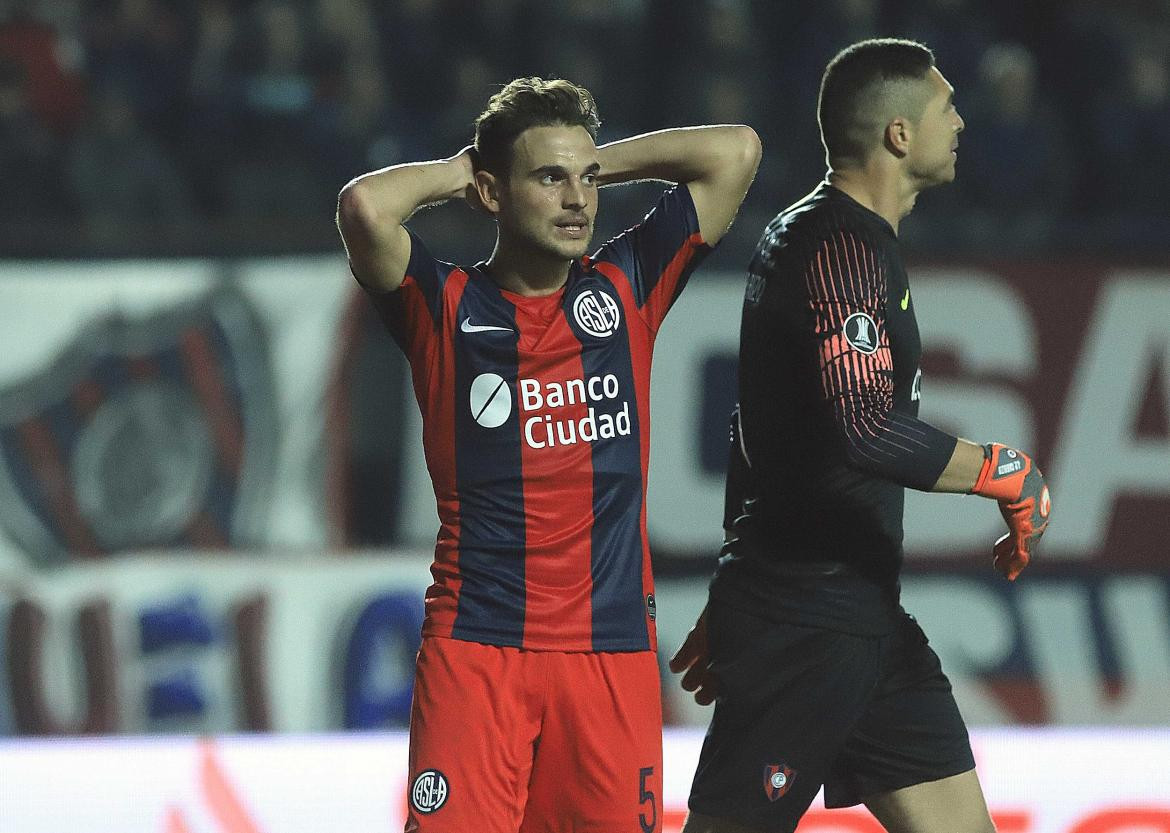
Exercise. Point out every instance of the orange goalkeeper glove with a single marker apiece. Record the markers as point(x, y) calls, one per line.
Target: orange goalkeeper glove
point(1012, 478)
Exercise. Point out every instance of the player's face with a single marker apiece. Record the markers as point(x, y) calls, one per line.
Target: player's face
point(936, 136)
point(549, 199)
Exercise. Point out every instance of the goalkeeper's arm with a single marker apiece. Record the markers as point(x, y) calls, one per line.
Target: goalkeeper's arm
point(1012, 478)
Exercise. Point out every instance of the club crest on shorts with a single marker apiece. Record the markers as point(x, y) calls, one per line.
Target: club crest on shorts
point(778, 779)
point(861, 333)
point(429, 791)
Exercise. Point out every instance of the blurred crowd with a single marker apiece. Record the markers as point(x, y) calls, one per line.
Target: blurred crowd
point(201, 126)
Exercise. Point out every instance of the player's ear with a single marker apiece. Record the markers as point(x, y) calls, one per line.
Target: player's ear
point(897, 136)
point(487, 186)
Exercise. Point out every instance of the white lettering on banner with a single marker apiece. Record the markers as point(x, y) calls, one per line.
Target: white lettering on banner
point(987, 326)
point(304, 696)
point(1097, 455)
point(1040, 636)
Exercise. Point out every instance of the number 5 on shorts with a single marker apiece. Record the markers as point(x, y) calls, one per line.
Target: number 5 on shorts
point(645, 795)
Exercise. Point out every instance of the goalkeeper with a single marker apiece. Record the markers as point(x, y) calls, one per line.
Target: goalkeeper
point(821, 677)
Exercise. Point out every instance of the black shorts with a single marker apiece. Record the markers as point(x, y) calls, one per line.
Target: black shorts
point(801, 706)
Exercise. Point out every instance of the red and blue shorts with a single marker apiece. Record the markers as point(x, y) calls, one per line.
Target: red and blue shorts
point(505, 740)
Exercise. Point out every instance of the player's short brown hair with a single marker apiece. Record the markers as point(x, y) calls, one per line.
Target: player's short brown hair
point(865, 86)
point(525, 103)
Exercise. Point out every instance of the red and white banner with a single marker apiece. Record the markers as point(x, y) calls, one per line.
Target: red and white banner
point(158, 643)
point(1087, 781)
point(191, 450)
point(259, 404)
point(1068, 361)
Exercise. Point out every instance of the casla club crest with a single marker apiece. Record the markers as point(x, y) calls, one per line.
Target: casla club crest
point(148, 431)
point(778, 780)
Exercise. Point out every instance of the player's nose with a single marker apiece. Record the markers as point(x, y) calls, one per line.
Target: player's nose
point(574, 195)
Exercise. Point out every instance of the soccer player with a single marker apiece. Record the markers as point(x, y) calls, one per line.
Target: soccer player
point(536, 701)
point(818, 674)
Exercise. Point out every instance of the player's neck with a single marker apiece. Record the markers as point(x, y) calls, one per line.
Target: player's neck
point(881, 189)
point(527, 272)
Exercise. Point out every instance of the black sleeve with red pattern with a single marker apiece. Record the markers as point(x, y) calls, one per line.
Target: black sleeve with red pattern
point(846, 283)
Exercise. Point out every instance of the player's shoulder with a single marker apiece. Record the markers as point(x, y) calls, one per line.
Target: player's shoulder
point(828, 214)
point(672, 212)
point(819, 220)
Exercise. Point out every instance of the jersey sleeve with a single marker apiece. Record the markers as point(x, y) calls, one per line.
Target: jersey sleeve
point(658, 255)
point(846, 283)
point(413, 313)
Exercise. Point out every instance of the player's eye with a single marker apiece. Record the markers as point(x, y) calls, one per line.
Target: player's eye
point(589, 179)
point(547, 179)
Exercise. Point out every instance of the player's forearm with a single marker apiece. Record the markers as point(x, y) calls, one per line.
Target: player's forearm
point(717, 164)
point(962, 470)
point(682, 154)
point(372, 208)
point(382, 199)
point(893, 445)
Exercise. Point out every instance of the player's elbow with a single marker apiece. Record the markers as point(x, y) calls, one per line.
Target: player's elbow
point(356, 210)
point(749, 148)
point(740, 151)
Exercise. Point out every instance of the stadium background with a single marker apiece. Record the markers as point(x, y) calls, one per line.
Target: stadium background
point(214, 517)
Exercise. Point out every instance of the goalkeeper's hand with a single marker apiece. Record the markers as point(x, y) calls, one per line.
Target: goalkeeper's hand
point(1012, 478)
point(694, 659)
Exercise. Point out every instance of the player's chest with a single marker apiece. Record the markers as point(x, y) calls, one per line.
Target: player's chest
point(584, 326)
point(901, 322)
point(904, 339)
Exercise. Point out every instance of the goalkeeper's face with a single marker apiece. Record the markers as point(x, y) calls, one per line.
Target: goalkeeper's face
point(935, 144)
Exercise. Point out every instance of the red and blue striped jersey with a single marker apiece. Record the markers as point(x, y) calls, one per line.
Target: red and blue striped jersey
point(536, 429)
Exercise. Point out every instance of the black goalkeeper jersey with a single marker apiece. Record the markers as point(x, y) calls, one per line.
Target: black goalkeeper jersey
point(829, 435)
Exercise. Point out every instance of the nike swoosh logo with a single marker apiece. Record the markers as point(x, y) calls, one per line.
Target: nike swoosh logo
point(906, 300)
point(468, 327)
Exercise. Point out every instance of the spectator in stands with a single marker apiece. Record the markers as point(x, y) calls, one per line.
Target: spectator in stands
point(278, 69)
point(120, 175)
point(1131, 126)
point(29, 154)
point(952, 28)
point(206, 148)
point(53, 88)
point(143, 48)
point(1014, 158)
